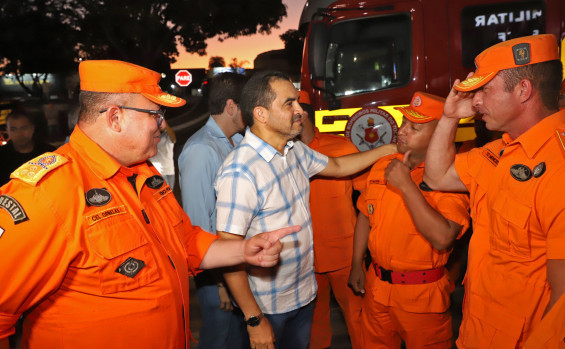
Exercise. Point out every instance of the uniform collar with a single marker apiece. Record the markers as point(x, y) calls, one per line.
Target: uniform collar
point(533, 139)
point(101, 163)
point(265, 150)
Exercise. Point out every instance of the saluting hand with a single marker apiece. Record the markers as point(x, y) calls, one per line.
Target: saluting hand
point(264, 249)
point(459, 105)
point(397, 173)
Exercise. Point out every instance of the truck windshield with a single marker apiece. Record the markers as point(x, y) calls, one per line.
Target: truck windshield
point(369, 54)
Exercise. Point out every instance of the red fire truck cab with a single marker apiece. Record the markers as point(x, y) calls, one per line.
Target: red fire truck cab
point(369, 56)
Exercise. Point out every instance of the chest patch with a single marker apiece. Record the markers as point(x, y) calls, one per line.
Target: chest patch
point(155, 182)
point(487, 153)
point(107, 213)
point(521, 172)
point(131, 267)
point(539, 170)
point(98, 197)
point(14, 209)
point(162, 193)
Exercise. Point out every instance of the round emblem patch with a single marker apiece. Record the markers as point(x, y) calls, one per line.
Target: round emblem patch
point(47, 160)
point(155, 182)
point(539, 169)
point(371, 127)
point(417, 101)
point(521, 172)
point(98, 197)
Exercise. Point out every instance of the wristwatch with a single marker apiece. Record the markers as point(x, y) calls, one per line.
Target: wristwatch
point(254, 321)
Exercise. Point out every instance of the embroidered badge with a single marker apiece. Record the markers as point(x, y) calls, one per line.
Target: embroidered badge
point(32, 171)
point(155, 182)
point(161, 193)
point(521, 172)
point(130, 267)
point(98, 197)
point(13, 207)
point(107, 213)
point(370, 208)
point(521, 53)
point(539, 170)
point(417, 101)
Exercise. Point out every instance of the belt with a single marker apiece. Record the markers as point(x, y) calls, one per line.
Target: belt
point(409, 277)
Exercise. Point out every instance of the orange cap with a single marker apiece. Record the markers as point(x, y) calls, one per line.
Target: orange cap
point(510, 54)
point(423, 108)
point(122, 77)
point(304, 97)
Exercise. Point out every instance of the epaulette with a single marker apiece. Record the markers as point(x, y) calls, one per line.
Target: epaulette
point(32, 171)
point(560, 133)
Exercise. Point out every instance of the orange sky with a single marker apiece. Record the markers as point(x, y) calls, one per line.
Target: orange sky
point(245, 47)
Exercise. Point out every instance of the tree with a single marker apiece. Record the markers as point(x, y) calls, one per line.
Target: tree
point(60, 32)
point(216, 61)
point(237, 64)
point(293, 46)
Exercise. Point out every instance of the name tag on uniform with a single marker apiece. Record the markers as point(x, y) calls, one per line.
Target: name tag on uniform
point(107, 213)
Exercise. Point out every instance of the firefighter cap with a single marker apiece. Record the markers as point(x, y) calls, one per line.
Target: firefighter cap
point(510, 54)
point(424, 107)
point(113, 76)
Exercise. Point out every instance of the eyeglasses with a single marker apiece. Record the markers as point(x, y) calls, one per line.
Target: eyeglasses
point(158, 114)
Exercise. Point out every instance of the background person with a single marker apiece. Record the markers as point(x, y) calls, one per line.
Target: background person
point(199, 161)
point(333, 222)
point(516, 267)
point(22, 145)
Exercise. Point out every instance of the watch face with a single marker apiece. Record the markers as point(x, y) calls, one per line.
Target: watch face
point(253, 321)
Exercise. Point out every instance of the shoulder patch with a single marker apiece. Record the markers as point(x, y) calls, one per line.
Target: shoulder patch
point(13, 207)
point(32, 171)
point(560, 133)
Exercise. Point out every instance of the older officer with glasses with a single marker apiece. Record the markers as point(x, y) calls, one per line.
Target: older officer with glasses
point(96, 251)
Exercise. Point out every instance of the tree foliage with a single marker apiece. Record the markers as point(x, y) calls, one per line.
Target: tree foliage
point(237, 64)
point(293, 46)
point(216, 61)
point(43, 36)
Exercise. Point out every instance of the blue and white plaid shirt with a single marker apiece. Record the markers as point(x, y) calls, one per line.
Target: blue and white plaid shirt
point(258, 190)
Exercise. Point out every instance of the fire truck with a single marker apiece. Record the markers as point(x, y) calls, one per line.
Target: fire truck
point(364, 58)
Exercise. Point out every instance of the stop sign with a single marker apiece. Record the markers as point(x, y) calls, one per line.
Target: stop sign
point(183, 78)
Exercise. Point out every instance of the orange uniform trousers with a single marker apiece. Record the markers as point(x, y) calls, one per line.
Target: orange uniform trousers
point(385, 326)
point(333, 220)
point(550, 332)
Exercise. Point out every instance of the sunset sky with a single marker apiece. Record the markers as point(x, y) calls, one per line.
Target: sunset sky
point(245, 48)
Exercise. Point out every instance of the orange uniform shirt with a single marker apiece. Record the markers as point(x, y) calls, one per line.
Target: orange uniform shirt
point(522, 193)
point(396, 244)
point(331, 207)
point(550, 332)
point(97, 262)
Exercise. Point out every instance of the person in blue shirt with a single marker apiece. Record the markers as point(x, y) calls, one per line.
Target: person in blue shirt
point(199, 161)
